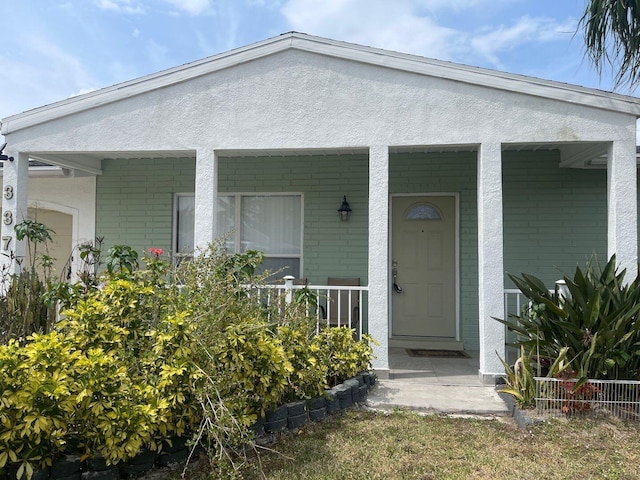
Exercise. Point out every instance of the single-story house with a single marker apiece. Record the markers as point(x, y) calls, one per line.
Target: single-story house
point(454, 175)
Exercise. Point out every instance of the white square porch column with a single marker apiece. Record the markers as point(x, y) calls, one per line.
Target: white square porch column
point(15, 182)
point(490, 260)
point(379, 256)
point(206, 197)
point(622, 208)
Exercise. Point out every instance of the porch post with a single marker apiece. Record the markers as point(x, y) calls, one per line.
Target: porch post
point(622, 216)
point(490, 260)
point(206, 195)
point(15, 181)
point(379, 255)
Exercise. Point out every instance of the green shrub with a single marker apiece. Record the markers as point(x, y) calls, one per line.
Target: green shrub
point(38, 400)
point(308, 376)
point(597, 325)
point(250, 369)
point(344, 356)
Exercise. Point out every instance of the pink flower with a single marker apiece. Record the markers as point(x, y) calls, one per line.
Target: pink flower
point(156, 251)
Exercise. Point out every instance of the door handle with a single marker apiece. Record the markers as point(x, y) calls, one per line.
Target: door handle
point(396, 288)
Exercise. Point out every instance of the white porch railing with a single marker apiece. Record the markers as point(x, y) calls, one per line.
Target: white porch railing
point(335, 305)
point(513, 302)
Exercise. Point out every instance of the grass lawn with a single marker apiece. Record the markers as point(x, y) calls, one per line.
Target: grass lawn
point(370, 445)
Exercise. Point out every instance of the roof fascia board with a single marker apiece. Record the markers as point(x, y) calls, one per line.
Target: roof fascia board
point(369, 55)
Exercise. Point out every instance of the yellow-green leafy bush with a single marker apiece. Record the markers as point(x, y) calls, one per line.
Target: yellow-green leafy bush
point(39, 391)
point(344, 356)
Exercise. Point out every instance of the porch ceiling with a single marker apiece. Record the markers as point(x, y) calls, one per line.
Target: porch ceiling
point(90, 163)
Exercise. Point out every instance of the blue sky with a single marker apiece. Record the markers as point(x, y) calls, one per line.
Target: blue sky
point(53, 49)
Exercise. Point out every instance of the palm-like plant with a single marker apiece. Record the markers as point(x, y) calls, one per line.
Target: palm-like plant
point(612, 35)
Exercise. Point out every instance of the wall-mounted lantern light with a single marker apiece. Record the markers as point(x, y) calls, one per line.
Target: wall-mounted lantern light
point(344, 212)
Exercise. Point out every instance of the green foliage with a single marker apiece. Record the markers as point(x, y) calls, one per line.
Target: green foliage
point(520, 380)
point(612, 35)
point(597, 325)
point(344, 356)
point(36, 233)
point(250, 369)
point(156, 352)
point(25, 306)
point(121, 260)
point(308, 376)
point(38, 398)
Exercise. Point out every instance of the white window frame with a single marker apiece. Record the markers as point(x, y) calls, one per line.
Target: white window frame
point(237, 220)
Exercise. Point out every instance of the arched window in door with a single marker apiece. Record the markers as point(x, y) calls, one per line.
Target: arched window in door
point(422, 211)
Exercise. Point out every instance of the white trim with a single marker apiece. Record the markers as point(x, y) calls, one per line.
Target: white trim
point(324, 46)
point(456, 196)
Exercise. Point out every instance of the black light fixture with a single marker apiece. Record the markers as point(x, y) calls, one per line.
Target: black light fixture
point(4, 157)
point(344, 212)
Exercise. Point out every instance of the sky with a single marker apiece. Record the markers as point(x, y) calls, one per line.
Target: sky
point(54, 49)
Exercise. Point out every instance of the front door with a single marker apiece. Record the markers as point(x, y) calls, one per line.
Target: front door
point(424, 266)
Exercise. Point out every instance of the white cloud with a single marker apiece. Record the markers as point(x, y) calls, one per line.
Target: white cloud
point(192, 7)
point(130, 7)
point(416, 26)
point(489, 43)
point(44, 73)
point(389, 25)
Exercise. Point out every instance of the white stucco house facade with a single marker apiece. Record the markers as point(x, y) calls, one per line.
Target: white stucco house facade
point(455, 176)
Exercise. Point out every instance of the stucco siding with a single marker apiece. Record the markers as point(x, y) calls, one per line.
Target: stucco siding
point(297, 99)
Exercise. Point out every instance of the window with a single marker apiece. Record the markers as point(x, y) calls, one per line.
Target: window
point(422, 211)
point(271, 223)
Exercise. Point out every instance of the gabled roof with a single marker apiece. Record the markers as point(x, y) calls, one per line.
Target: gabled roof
point(299, 41)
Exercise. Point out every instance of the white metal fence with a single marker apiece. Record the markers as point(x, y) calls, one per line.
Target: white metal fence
point(560, 396)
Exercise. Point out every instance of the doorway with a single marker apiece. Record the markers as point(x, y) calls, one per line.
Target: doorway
point(424, 300)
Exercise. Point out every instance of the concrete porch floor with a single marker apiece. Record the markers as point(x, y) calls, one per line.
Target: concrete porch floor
point(439, 385)
point(434, 370)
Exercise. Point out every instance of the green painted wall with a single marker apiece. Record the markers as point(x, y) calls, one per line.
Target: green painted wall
point(449, 173)
point(134, 200)
point(135, 203)
point(554, 218)
point(331, 248)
